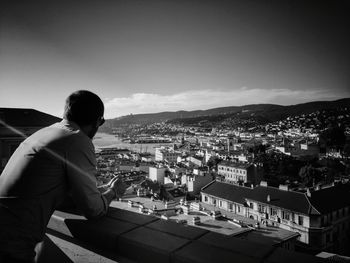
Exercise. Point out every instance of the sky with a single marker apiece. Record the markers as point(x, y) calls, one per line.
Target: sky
point(161, 55)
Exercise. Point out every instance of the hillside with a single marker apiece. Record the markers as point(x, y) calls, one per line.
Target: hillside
point(259, 113)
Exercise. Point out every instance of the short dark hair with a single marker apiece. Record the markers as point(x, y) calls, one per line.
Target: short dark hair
point(83, 107)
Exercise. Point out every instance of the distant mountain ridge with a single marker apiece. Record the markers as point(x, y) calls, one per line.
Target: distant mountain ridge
point(266, 112)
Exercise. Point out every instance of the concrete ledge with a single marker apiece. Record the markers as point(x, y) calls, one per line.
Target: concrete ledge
point(148, 245)
point(291, 257)
point(198, 252)
point(236, 245)
point(173, 228)
point(102, 233)
point(143, 238)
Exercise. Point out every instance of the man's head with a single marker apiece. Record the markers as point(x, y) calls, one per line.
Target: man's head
point(85, 109)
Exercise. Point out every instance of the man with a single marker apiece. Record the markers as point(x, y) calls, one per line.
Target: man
point(51, 164)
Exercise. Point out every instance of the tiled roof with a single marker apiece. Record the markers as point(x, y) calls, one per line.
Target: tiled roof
point(289, 200)
point(228, 191)
point(26, 117)
point(235, 164)
point(331, 199)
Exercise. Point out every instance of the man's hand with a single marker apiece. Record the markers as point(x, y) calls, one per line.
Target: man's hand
point(118, 186)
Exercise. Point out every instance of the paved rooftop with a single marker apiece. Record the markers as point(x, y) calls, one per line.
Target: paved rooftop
point(144, 238)
point(268, 235)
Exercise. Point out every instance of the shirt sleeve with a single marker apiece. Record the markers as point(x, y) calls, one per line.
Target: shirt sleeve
point(81, 171)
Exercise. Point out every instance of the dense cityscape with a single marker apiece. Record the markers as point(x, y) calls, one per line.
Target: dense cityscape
point(175, 131)
point(290, 176)
point(283, 183)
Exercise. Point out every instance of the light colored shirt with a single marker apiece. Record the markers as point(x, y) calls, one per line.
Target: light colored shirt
point(50, 164)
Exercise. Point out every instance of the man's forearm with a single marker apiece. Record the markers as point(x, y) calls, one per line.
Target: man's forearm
point(103, 188)
point(110, 194)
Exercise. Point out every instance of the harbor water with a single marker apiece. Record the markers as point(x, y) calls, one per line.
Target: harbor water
point(104, 140)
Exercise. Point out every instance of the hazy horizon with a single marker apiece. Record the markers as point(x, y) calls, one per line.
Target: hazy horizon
point(203, 109)
point(155, 56)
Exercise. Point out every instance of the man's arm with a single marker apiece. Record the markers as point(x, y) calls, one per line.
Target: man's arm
point(114, 189)
point(110, 194)
point(81, 171)
point(102, 188)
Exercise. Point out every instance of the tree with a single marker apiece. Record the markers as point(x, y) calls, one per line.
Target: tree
point(307, 174)
point(213, 162)
point(346, 150)
point(333, 137)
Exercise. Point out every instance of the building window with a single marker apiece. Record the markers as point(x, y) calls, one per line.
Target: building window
point(205, 198)
point(214, 201)
point(220, 203)
point(230, 206)
point(273, 211)
point(261, 208)
point(238, 209)
point(300, 220)
point(251, 205)
point(285, 215)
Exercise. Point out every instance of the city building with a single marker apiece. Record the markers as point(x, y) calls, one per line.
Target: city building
point(299, 148)
point(16, 125)
point(196, 161)
point(321, 217)
point(111, 152)
point(231, 143)
point(195, 182)
point(157, 174)
point(166, 154)
point(238, 172)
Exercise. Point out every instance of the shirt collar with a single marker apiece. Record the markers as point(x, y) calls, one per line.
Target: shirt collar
point(70, 124)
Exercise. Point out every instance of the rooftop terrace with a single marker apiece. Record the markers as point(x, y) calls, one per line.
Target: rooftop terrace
point(125, 236)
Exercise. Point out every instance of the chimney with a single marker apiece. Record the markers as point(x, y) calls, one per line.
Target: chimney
point(263, 183)
point(283, 187)
point(308, 192)
point(268, 198)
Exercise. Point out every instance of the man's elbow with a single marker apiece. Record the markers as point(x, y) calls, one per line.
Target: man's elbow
point(91, 214)
point(96, 210)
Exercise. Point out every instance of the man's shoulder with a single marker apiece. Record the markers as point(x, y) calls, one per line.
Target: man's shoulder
point(64, 135)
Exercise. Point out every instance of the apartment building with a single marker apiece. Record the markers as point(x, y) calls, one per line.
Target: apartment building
point(321, 217)
point(239, 172)
point(299, 149)
point(195, 182)
point(196, 161)
point(16, 125)
point(157, 174)
point(166, 154)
